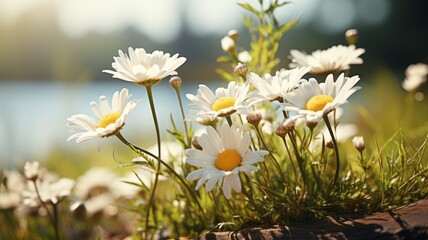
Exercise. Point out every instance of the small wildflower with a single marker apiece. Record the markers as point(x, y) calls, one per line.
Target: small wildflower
point(416, 75)
point(175, 82)
point(254, 119)
point(224, 156)
point(351, 36)
point(322, 62)
point(244, 57)
point(223, 103)
point(275, 87)
point(358, 142)
point(233, 34)
point(315, 100)
point(110, 120)
point(227, 44)
point(31, 170)
point(144, 68)
point(196, 144)
point(241, 69)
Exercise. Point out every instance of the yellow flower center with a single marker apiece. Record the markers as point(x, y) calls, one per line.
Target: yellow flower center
point(228, 160)
point(108, 118)
point(318, 102)
point(223, 103)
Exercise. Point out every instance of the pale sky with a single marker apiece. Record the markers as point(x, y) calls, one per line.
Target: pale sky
point(161, 20)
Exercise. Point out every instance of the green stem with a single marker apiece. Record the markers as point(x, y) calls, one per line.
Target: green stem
point(229, 120)
point(51, 218)
point(134, 147)
point(336, 150)
point(155, 120)
point(183, 116)
point(275, 162)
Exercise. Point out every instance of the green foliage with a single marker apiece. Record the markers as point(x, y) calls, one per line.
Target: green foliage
point(265, 33)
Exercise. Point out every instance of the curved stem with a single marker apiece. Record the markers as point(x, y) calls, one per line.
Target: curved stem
point(229, 120)
point(134, 147)
point(183, 116)
point(336, 150)
point(51, 218)
point(155, 120)
point(275, 162)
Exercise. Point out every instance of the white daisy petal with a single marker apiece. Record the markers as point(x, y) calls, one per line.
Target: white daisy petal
point(221, 164)
point(144, 68)
point(110, 119)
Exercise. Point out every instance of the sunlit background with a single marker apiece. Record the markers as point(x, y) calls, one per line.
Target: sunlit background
point(53, 51)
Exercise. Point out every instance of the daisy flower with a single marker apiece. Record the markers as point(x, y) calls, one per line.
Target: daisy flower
point(144, 68)
point(223, 103)
point(274, 87)
point(223, 156)
point(315, 100)
point(335, 59)
point(109, 120)
point(416, 75)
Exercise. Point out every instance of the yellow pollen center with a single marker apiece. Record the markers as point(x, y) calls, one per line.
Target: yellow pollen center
point(318, 102)
point(228, 160)
point(108, 118)
point(223, 103)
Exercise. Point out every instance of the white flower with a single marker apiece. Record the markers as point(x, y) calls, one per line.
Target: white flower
point(143, 68)
point(358, 142)
point(50, 192)
point(95, 181)
point(314, 100)
point(31, 170)
point(244, 57)
point(223, 156)
point(335, 59)
point(110, 120)
point(223, 103)
point(275, 87)
point(227, 44)
point(416, 75)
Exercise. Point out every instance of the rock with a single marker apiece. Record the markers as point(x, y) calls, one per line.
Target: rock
point(409, 222)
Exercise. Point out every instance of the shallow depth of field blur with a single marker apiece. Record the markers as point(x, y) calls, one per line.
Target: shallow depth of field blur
point(52, 54)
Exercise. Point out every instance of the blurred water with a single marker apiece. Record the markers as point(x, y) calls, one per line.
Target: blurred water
point(33, 114)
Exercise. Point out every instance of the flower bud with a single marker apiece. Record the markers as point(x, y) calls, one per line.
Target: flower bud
point(31, 170)
point(196, 144)
point(254, 119)
point(175, 82)
point(281, 131)
point(329, 144)
point(351, 36)
point(311, 123)
point(241, 69)
point(78, 209)
point(227, 44)
point(233, 34)
point(358, 142)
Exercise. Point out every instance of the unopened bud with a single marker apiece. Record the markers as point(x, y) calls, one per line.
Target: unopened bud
point(227, 44)
point(233, 34)
point(196, 144)
point(351, 36)
point(31, 170)
point(311, 123)
point(175, 82)
point(281, 131)
point(329, 144)
point(241, 69)
point(254, 119)
point(78, 209)
point(358, 142)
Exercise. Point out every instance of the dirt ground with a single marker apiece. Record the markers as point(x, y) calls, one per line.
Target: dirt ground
point(409, 222)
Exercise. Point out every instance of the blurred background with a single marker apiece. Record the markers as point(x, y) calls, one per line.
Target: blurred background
point(52, 53)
